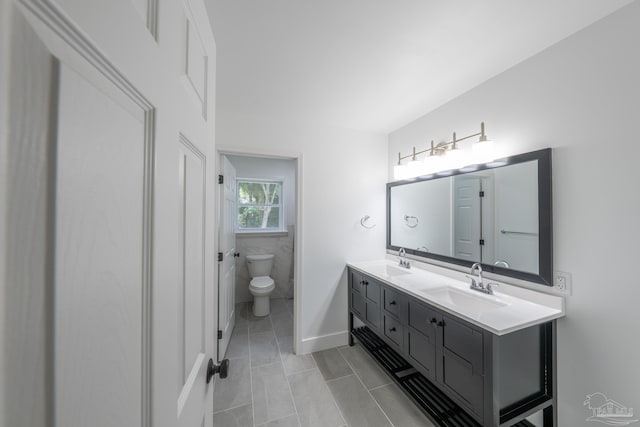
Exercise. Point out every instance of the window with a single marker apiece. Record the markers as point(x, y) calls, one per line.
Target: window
point(259, 206)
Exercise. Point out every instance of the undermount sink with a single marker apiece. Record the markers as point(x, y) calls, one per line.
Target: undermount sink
point(395, 271)
point(464, 301)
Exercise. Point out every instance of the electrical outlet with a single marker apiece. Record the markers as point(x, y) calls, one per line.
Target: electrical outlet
point(562, 282)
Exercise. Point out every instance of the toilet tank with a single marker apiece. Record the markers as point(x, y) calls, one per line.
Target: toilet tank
point(260, 265)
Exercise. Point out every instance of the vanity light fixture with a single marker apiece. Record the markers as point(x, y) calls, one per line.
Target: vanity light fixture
point(445, 156)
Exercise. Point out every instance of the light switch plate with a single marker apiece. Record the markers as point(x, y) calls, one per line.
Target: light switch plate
point(562, 282)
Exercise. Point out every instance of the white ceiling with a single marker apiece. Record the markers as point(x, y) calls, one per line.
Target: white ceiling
point(376, 65)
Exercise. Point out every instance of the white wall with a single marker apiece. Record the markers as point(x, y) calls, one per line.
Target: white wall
point(343, 178)
point(581, 97)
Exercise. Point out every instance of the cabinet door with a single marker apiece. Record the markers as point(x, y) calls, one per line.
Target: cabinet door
point(372, 314)
point(357, 304)
point(421, 338)
point(461, 373)
point(357, 282)
point(371, 289)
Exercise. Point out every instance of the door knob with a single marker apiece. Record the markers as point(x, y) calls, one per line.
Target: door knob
point(434, 321)
point(222, 369)
point(392, 329)
point(236, 255)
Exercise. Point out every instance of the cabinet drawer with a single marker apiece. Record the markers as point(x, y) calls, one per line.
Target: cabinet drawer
point(422, 318)
point(393, 330)
point(464, 341)
point(394, 303)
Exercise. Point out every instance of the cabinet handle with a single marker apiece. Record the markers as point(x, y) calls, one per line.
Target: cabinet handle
point(392, 303)
point(433, 321)
point(366, 283)
point(441, 323)
point(392, 329)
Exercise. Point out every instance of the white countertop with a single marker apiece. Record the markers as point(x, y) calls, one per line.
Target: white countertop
point(510, 308)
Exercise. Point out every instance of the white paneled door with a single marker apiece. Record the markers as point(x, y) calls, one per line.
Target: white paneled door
point(227, 245)
point(110, 202)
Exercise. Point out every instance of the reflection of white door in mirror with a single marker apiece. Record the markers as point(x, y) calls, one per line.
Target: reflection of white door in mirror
point(466, 217)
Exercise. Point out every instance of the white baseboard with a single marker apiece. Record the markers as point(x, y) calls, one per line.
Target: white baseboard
point(324, 342)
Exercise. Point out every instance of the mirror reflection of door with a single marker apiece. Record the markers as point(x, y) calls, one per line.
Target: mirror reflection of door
point(467, 230)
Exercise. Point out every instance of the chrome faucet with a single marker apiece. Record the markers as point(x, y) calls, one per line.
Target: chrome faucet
point(477, 282)
point(402, 256)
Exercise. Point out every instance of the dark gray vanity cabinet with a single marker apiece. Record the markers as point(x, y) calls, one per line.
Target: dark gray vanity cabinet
point(496, 380)
point(364, 298)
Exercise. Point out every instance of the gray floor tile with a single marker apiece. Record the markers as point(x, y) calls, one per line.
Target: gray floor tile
point(241, 416)
point(264, 349)
point(400, 410)
point(331, 363)
point(289, 303)
point(271, 394)
point(282, 325)
point(292, 362)
point(356, 404)
point(235, 390)
point(279, 307)
point(313, 400)
point(242, 313)
point(239, 343)
point(365, 367)
point(260, 324)
point(290, 421)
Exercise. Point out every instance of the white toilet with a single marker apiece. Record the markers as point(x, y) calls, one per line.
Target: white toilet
point(261, 284)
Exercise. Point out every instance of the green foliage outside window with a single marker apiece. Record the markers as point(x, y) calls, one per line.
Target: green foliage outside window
point(259, 205)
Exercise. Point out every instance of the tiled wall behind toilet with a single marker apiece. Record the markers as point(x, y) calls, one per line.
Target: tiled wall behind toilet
point(282, 272)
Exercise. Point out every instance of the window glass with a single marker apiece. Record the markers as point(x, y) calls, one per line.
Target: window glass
point(259, 205)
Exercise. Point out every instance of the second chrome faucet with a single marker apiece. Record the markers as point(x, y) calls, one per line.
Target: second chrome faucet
point(477, 282)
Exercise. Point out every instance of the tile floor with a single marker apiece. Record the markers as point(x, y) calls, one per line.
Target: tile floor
point(269, 386)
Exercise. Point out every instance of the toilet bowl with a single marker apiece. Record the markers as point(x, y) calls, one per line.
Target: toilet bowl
point(261, 285)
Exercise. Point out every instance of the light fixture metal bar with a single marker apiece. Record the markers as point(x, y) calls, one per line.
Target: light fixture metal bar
point(442, 146)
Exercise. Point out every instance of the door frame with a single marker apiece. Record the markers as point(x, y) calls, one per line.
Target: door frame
point(228, 150)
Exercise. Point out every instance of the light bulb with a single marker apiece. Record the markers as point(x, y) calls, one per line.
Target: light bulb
point(456, 158)
point(399, 172)
point(415, 168)
point(483, 151)
point(437, 164)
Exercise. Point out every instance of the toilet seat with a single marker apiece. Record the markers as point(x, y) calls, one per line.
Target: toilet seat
point(261, 282)
point(262, 285)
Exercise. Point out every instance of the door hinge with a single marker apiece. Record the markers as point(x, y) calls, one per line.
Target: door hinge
point(481, 242)
point(220, 179)
point(481, 193)
point(219, 334)
point(219, 256)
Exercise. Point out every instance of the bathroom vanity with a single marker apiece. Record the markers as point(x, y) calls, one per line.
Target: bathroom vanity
point(466, 358)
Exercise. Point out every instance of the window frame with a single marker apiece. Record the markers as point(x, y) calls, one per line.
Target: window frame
point(281, 208)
